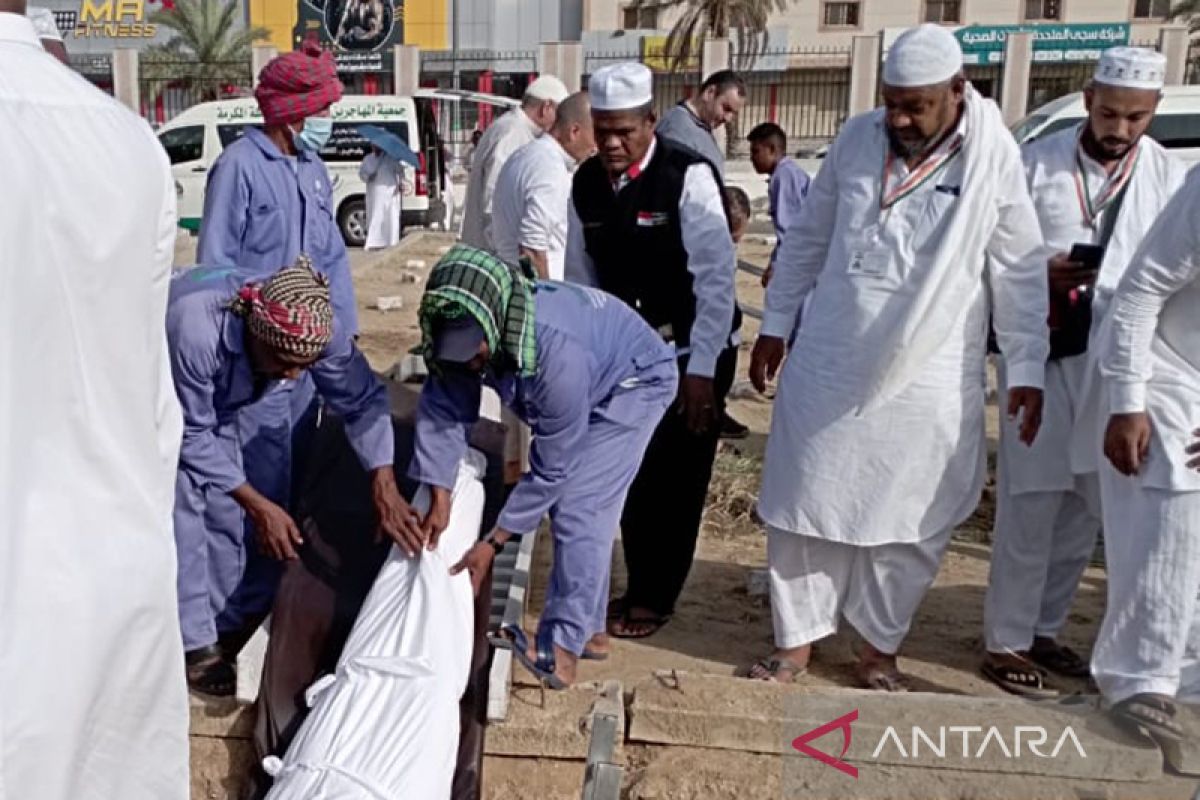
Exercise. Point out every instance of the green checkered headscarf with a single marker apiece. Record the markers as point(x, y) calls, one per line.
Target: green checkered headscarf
point(497, 295)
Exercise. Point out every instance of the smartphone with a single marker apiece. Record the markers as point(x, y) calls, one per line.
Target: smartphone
point(1089, 255)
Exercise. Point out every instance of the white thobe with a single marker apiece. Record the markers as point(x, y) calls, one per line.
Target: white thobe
point(382, 174)
point(1048, 503)
point(508, 134)
point(90, 650)
point(1150, 360)
point(712, 261)
point(529, 209)
point(877, 436)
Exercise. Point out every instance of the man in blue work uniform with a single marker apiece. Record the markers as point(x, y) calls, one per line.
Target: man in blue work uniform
point(591, 379)
point(234, 345)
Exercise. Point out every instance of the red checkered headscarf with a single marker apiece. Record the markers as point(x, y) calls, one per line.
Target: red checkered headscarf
point(291, 311)
point(297, 85)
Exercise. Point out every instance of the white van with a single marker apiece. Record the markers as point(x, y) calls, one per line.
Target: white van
point(1176, 126)
point(195, 138)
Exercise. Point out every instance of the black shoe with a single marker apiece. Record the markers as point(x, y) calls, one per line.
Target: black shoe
point(732, 429)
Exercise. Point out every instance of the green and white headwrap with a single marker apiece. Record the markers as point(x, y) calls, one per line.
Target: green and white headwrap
point(497, 295)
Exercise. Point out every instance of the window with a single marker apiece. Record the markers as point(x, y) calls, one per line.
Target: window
point(183, 144)
point(1043, 9)
point(640, 18)
point(1151, 9)
point(1174, 131)
point(346, 144)
point(841, 14)
point(943, 11)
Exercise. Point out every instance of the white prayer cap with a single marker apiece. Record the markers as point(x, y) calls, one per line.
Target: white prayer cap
point(1131, 68)
point(619, 87)
point(547, 87)
point(923, 56)
point(43, 23)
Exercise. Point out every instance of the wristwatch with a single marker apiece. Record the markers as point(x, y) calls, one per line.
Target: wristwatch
point(498, 547)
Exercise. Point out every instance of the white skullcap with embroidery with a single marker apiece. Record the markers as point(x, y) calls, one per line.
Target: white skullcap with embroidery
point(923, 56)
point(1131, 68)
point(619, 87)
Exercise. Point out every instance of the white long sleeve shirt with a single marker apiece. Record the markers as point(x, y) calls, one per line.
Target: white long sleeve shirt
point(529, 207)
point(90, 431)
point(506, 135)
point(712, 261)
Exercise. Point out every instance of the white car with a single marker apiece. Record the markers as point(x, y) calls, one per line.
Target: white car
point(1176, 126)
point(194, 139)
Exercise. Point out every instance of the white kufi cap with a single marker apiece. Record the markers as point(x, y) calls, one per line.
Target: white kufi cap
point(923, 56)
point(1131, 68)
point(619, 87)
point(547, 87)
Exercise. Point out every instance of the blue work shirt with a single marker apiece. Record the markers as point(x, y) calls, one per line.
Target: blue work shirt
point(263, 208)
point(590, 347)
point(786, 191)
point(214, 380)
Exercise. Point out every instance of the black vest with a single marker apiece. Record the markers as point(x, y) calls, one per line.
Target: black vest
point(635, 240)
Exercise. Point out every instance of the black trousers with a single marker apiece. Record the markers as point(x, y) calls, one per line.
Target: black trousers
point(661, 519)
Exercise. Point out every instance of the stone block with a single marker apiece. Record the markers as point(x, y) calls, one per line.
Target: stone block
point(389, 302)
point(931, 731)
point(554, 724)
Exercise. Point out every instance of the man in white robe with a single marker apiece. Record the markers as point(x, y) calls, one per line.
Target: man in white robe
point(508, 134)
point(534, 191)
point(384, 178)
point(1147, 654)
point(918, 215)
point(95, 703)
point(1101, 183)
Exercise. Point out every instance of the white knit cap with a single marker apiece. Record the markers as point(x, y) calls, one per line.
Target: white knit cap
point(618, 87)
point(923, 56)
point(547, 87)
point(1132, 68)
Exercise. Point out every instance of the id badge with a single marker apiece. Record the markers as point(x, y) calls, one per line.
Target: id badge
point(873, 263)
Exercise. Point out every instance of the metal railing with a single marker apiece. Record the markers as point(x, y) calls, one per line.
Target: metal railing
point(988, 79)
point(1050, 81)
point(168, 87)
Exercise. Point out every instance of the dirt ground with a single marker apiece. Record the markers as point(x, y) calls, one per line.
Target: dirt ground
point(719, 626)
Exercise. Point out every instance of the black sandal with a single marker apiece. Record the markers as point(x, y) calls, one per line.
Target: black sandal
point(1060, 659)
point(1152, 714)
point(1025, 681)
point(209, 673)
point(621, 626)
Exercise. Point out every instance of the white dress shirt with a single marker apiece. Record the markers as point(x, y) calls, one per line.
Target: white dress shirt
point(506, 135)
point(712, 261)
point(90, 430)
point(529, 207)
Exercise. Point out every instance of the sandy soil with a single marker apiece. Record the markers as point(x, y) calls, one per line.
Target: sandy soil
point(719, 627)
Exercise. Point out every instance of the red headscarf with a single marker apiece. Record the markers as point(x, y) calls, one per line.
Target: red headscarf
point(297, 85)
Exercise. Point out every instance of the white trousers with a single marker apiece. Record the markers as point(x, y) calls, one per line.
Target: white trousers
point(1150, 638)
point(1041, 544)
point(876, 588)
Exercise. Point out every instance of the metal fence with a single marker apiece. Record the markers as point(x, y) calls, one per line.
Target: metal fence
point(808, 96)
point(988, 79)
point(1050, 81)
point(505, 72)
point(168, 87)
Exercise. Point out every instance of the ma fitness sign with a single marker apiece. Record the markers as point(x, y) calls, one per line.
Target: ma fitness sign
point(984, 44)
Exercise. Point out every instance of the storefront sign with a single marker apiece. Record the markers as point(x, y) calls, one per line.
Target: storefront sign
point(361, 33)
point(984, 44)
point(94, 27)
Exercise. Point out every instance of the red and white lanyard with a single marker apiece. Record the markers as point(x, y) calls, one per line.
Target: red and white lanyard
point(1091, 209)
point(930, 167)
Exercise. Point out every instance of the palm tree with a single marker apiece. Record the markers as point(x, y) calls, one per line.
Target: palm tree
point(717, 19)
point(208, 53)
point(1188, 10)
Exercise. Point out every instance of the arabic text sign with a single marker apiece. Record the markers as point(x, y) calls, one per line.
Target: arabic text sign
point(984, 44)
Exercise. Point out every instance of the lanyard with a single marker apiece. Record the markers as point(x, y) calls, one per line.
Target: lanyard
point(1091, 209)
point(914, 181)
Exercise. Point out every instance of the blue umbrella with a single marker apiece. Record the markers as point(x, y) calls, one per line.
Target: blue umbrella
point(389, 143)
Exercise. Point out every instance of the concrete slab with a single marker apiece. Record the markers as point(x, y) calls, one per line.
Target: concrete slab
point(686, 773)
point(550, 724)
point(931, 731)
point(531, 778)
